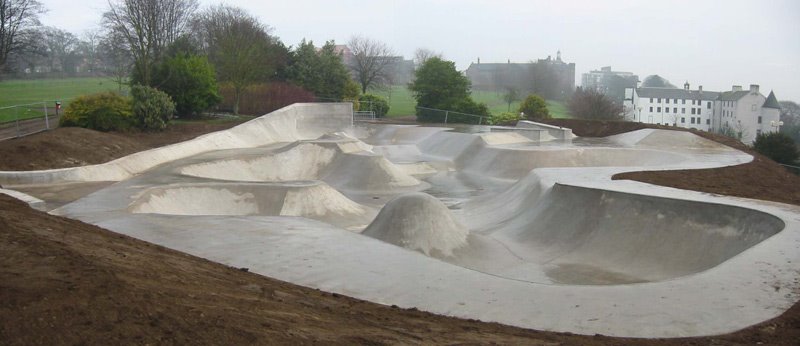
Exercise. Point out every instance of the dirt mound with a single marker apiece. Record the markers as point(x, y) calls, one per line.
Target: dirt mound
point(74, 146)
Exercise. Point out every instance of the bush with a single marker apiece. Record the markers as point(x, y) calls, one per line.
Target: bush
point(534, 107)
point(261, 99)
point(152, 108)
point(594, 105)
point(777, 146)
point(504, 118)
point(190, 81)
point(377, 104)
point(106, 111)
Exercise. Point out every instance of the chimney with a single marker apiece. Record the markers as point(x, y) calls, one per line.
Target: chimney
point(479, 60)
point(736, 88)
point(754, 88)
point(686, 85)
point(700, 88)
point(509, 61)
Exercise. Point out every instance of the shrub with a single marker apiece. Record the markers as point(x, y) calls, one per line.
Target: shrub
point(261, 99)
point(534, 107)
point(106, 111)
point(190, 81)
point(377, 104)
point(152, 108)
point(504, 118)
point(777, 146)
point(594, 105)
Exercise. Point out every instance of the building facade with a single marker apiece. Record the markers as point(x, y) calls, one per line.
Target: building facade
point(549, 78)
point(743, 113)
point(609, 82)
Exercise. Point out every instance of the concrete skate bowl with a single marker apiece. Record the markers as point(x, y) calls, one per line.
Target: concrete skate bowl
point(506, 229)
point(310, 199)
point(588, 236)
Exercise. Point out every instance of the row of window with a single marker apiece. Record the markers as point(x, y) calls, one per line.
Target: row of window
point(683, 101)
point(675, 110)
point(695, 120)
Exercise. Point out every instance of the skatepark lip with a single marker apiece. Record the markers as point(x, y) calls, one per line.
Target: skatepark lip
point(532, 228)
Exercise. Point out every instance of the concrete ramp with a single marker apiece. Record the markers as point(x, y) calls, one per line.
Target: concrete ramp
point(312, 199)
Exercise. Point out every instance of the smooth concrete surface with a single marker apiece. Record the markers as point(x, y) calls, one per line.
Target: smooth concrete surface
point(471, 223)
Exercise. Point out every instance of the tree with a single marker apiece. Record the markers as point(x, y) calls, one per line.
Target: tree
point(790, 115)
point(592, 104)
point(148, 27)
point(240, 48)
point(534, 107)
point(321, 72)
point(437, 83)
point(510, 96)
point(190, 81)
point(372, 62)
point(18, 18)
point(116, 57)
point(421, 55)
point(777, 146)
point(62, 49)
point(88, 47)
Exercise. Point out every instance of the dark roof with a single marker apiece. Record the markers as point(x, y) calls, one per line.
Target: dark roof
point(733, 95)
point(672, 93)
point(772, 101)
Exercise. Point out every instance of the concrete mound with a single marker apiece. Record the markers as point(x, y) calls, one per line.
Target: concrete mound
point(313, 199)
point(420, 222)
point(344, 164)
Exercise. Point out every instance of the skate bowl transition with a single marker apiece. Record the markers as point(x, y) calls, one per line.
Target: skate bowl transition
point(516, 225)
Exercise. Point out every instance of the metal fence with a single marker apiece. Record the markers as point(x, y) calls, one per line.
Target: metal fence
point(363, 115)
point(25, 119)
point(445, 116)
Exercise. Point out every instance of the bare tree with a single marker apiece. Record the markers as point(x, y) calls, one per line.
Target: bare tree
point(61, 48)
point(239, 47)
point(373, 62)
point(594, 105)
point(116, 57)
point(18, 18)
point(148, 27)
point(421, 55)
point(89, 48)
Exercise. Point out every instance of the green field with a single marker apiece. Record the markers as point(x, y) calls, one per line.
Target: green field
point(401, 103)
point(19, 92)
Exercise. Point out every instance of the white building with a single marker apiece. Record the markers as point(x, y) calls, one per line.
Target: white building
point(745, 113)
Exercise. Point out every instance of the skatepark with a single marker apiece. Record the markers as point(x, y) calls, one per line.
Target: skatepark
point(522, 226)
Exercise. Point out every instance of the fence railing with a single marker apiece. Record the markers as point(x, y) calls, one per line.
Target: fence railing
point(25, 119)
point(444, 116)
point(793, 169)
point(363, 115)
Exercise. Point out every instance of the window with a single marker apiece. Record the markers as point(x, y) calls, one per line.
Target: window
point(651, 100)
point(658, 109)
point(758, 132)
point(659, 100)
point(683, 110)
point(692, 120)
point(708, 105)
point(698, 110)
point(708, 121)
point(651, 109)
point(759, 119)
point(683, 120)
point(675, 110)
point(683, 101)
point(693, 110)
point(666, 101)
point(675, 101)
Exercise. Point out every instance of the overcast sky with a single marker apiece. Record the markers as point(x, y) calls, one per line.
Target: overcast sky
point(711, 43)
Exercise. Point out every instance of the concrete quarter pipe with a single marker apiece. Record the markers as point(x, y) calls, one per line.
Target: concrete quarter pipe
point(519, 226)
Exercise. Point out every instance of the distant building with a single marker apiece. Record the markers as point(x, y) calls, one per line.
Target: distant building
point(401, 70)
point(611, 83)
point(745, 113)
point(550, 78)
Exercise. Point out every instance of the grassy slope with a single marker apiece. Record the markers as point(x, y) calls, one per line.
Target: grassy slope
point(401, 103)
point(17, 92)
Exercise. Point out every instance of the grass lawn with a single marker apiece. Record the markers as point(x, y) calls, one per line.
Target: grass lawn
point(401, 103)
point(17, 92)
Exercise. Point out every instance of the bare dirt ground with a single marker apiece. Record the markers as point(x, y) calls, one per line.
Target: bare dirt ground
point(66, 282)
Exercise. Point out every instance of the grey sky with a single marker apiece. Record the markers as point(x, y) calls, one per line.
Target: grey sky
point(711, 43)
